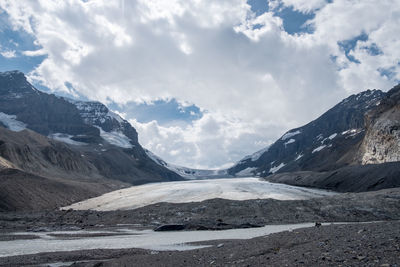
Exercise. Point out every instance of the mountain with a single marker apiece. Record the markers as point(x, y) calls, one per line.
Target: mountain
point(56, 138)
point(322, 144)
point(336, 150)
point(189, 173)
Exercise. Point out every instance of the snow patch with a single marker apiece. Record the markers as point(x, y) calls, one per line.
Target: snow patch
point(351, 132)
point(115, 116)
point(290, 142)
point(11, 122)
point(115, 138)
point(255, 156)
point(299, 157)
point(318, 149)
point(66, 138)
point(277, 168)
point(290, 134)
point(332, 136)
point(247, 172)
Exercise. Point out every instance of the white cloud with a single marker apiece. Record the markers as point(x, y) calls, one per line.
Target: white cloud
point(254, 80)
point(211, 142)
point(8, 53)
point(34, 53)
point(305, 6)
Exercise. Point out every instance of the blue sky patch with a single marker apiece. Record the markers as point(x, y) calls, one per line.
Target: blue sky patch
point(165, 112)
point(348, 45)
point(17, 41)
point(389, 73)
point(374, 50)
point(293, 21)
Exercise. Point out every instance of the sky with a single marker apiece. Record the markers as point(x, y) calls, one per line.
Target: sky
point(205, 82)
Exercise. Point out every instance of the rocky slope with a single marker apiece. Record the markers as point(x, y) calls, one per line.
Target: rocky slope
point(56, 138)
point(327, 143)
point(356, 178)
point(87, 132)
point(382, 139)
point(355, 146)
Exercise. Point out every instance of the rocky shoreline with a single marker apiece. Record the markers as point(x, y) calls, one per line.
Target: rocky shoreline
point(363, 244)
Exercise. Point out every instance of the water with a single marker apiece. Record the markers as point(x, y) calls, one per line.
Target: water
point(145, 239)
point(198, 190)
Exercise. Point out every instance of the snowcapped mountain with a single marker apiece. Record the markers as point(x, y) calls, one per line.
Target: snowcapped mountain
point(327, 143)
point(113, 129)
point(96, 137)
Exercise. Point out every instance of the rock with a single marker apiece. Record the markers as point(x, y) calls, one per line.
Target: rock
point(170, 227)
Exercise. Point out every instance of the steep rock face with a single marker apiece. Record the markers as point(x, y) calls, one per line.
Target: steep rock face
point(98, 115)
point(327, 143)
point(86, 138)
point(41, 112)
point(382, 140)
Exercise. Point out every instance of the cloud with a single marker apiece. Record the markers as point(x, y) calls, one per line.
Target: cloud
point(213, 141)
point(253, 80)
point(34, 53)
point(8, 53)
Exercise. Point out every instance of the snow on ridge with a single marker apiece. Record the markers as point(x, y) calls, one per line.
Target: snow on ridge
point(291, 141)
point(66, 138)
point(246, 172)
point(115, 116)
point(318, 149)
point(93, 110)
point(290, 134)
point(11, 122)
point(277, 168)
point(255, 156)
point(115, 138)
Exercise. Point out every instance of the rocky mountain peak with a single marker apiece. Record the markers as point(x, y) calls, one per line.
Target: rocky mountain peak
point(14, 83)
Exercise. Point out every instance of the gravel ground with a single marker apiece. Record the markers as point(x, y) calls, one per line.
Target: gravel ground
point(370, 244)
point(218, 214)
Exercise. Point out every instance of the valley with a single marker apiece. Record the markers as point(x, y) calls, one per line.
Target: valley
point(78, 189)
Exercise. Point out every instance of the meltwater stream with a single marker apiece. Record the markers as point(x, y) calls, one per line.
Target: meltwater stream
point(128, 238)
